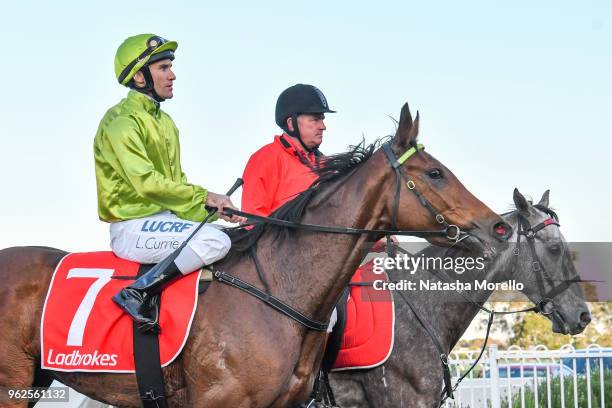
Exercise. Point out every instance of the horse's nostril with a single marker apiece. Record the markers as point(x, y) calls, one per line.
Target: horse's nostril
point(585, 318)
point(502, 230)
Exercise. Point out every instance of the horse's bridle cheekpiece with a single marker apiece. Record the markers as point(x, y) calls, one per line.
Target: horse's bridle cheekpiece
point(525, 229)
point(453, 232)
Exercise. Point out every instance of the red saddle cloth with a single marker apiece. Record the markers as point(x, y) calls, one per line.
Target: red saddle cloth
point(83, 330)
point(368, 336)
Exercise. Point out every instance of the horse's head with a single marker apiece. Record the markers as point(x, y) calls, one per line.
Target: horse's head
point(440, 200)
point(544, 265)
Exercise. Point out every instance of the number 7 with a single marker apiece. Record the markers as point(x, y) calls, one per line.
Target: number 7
point(77, 327)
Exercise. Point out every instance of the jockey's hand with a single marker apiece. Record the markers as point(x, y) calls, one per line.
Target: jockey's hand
point(220, 202)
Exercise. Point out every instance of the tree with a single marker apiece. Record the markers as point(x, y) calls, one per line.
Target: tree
point(532, 329)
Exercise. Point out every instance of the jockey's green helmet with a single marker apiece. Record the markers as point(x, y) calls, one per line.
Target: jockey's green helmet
point(140, 50)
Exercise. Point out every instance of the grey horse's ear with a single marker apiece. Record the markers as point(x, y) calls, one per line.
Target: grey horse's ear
point(544, 200)
point(520, 201)
point(407, 129)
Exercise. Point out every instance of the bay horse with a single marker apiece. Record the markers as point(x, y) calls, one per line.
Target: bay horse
point(412, 375)
point(240, 352)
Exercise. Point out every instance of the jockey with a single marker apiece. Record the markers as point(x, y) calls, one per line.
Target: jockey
point(280, 170)
point(142, 190)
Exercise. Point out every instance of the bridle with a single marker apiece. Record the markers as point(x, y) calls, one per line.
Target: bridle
point(451, 232)
point(524, 230)
point(542, 276)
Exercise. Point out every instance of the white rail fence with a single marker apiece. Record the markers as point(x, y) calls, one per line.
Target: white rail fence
point(535, 378)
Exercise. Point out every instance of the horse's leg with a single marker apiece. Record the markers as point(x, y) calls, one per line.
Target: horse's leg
point(42, 379)
point(16, 373)
point(302, 380)
point(349, 389)
point(401, 384)
point(19, 371)
point(377, 387)
point(25, 274)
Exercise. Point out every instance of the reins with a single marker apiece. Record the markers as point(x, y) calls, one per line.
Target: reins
point(333, 229)
point(452, 232)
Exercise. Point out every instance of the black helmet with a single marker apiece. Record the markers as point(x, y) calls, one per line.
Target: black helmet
point(299, 99)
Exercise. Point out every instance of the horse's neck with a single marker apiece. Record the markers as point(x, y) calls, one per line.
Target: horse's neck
point(447, 313)
point(311, 269)
point(461, 313)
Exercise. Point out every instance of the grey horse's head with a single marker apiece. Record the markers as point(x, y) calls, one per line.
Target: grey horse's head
point(548, 274)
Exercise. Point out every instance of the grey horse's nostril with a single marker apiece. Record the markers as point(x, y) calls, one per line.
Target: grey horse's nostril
point(585, 318)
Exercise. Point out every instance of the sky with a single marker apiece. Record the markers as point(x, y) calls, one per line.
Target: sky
point(511, 94)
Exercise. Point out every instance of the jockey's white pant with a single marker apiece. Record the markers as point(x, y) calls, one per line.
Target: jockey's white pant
point(151, 239)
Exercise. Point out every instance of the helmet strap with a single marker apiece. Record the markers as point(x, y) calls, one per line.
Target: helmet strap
point(296, 133)
point(149, 87)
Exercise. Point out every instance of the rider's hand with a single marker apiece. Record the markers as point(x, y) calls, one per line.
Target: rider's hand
point(221, 201)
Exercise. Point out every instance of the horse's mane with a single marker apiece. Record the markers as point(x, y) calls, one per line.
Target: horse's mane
point(551, 211)
point(331, 168)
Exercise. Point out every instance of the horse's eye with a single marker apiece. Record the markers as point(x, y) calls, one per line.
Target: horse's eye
point(435, 174)
point(555, 248)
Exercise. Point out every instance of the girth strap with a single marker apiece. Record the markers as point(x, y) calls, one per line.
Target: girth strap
point(271, 301)
point(395, 165)
point(149, 376)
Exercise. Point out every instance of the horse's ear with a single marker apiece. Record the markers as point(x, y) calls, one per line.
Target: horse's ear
point(407, 130)
point(520, 201)
point(544, 200)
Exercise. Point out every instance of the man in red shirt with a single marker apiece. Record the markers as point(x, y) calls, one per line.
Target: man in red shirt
point(279, 171)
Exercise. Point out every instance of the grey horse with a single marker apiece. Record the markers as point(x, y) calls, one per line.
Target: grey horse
point(413, 375)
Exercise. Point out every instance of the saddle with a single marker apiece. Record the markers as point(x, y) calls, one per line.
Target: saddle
point(83, 330)
point(363, 335)
point(367, 332)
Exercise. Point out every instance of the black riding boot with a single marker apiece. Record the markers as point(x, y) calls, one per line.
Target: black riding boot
point(135, 299)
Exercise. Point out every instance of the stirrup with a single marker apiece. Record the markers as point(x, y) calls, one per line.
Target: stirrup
point(152, 325)
point(134, 303)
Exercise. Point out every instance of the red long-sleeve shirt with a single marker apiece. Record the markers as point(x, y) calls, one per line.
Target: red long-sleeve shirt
point(275, 174)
